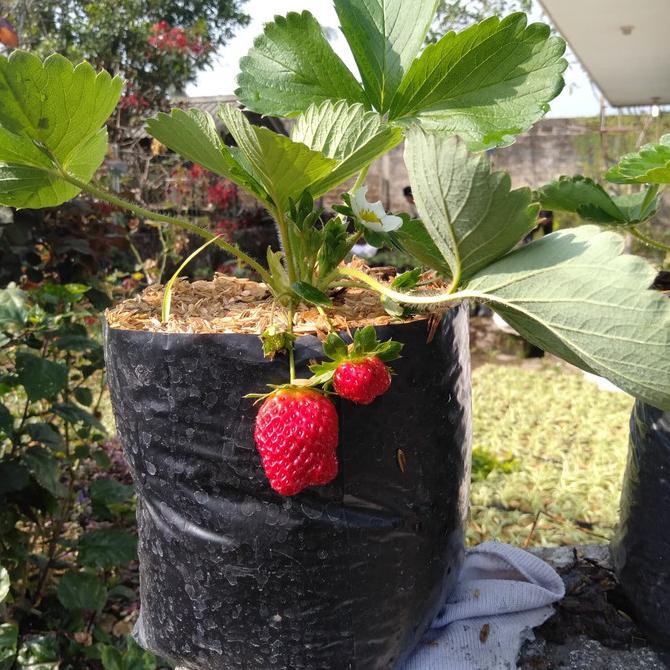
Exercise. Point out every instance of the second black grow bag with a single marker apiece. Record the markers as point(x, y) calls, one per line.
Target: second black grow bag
point(641, 547)
point(347, 575)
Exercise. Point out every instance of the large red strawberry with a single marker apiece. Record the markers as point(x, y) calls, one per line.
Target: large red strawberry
point(361, 380)
point(296, 435)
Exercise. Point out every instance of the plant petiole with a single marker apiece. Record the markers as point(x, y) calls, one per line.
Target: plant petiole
point(286, 245)
point(360, 180)
point(649, 241)
point(291, 353)
point(101, 194)
point(407, 298)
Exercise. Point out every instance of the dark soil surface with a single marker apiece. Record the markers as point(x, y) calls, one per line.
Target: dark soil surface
point(593, 627)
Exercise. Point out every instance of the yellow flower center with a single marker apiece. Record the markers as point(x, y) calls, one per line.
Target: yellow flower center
point(368, 215)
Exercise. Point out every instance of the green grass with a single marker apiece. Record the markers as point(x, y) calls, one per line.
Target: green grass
point(569, 441)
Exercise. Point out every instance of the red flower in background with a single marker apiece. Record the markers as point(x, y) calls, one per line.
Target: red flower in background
point(166, 38)
point(104, 208)
point(133, 101)
point(196, 171)
point(221, 194)
point(8, 35)
point(226, 227)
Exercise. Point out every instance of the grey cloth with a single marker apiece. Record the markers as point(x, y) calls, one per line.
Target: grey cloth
point(503, 593)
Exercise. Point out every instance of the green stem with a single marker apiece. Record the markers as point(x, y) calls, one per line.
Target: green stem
point(648, 240)
point(360, 179)
point(651, 194)
point(291, 353)
point(170, 220)
point(164, 254)
point(286, 245)
point(408, 298)
point(353, 240)
point(349, 284)
point(138, 257)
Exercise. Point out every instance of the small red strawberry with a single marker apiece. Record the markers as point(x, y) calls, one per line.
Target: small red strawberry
point(361, 380)
point(296, 435)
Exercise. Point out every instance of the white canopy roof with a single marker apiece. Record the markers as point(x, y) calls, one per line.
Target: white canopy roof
point(623, 44)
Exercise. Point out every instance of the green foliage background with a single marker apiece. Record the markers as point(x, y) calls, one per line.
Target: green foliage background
point(67, 539)
point(113, 36)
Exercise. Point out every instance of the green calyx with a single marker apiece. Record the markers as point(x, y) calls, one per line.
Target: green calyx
point(364, 345)
point(300, 386)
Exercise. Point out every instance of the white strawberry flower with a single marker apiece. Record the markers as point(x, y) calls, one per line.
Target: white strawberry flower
point(372, 214)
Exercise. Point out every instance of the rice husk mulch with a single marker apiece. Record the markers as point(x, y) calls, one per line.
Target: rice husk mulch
point(234, 305)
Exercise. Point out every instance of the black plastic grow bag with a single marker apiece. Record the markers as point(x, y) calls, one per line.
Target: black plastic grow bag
point(641, 547)
point(348, 575)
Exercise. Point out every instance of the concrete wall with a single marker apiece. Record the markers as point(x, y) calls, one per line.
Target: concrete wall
point(546, 152)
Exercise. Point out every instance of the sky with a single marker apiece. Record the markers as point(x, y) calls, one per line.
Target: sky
point(579, 98)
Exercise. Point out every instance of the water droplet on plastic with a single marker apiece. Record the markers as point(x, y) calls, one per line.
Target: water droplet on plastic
point(311, 512)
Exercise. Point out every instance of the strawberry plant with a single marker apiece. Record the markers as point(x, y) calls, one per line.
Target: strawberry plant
point(572, 293)
point(648, 168)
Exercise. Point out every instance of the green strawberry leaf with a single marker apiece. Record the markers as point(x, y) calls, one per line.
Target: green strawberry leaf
point(347, 133)
point(373, 237)
point(413, 238)
point(292, 66)
point(406, 280)
point(335, 245)
point(51, 121)
point(589, 200)
point(283, 168)
point(403, 282)
point(132, 658)
point(278, 275)
point(311, 294)
point(575, 294)
point(470, 212)
point(193, 135)
point(385, 37)
point(649, 165)
point(487, 84)
point(638, 207)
